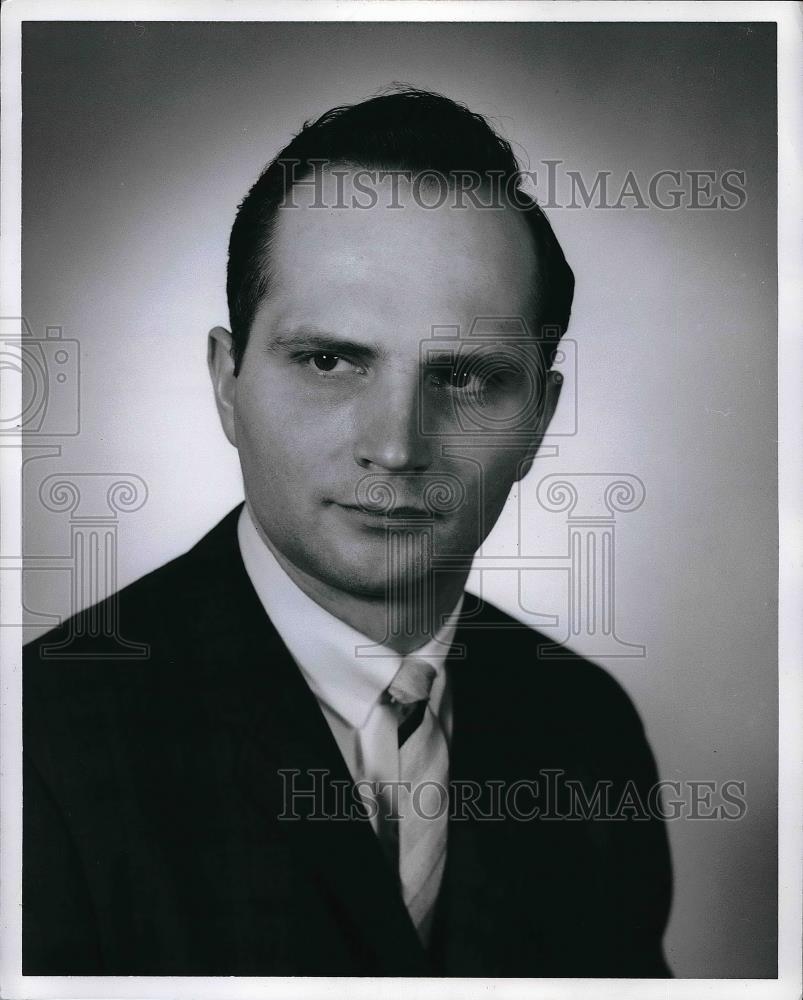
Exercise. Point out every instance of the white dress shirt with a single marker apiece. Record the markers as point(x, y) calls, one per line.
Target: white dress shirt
point(345, 670)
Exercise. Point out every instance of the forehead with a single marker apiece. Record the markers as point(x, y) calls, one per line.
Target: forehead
point(397, 262)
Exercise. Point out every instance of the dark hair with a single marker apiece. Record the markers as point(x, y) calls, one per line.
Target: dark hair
point(406, 129)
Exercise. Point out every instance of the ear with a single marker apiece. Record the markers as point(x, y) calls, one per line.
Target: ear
point(554, 383)
point(224, 381)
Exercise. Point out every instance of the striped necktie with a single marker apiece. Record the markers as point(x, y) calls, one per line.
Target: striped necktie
point(415, 838)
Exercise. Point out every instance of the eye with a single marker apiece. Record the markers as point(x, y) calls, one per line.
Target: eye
point(482, 380)
point(460, 378)
point(325, 363)
point(450, 376)
point(464, 376)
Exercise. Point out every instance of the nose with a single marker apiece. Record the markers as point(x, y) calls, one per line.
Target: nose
point(389, 434)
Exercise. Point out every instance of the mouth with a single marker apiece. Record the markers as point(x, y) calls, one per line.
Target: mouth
point(401, 512)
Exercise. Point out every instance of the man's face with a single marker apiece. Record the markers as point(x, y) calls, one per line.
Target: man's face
point(345, 396)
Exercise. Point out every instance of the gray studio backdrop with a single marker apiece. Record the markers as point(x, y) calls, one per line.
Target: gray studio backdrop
point(138, 142)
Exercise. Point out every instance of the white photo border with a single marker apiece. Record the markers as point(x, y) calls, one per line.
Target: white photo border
point(789, 20)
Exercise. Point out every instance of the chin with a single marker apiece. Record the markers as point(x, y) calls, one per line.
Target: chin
point(369, 577)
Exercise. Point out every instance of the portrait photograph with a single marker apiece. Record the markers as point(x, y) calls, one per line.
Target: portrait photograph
point(401, 457)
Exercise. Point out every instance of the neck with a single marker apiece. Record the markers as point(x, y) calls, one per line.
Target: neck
point(396, 621)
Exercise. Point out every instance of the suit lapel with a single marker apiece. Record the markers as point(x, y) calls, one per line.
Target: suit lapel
point(470, 904)
point(254, 687)
point(487, 914)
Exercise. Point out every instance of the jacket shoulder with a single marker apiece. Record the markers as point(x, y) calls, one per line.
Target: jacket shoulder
point(148, 608)
point(124, 643)
point(539, 667)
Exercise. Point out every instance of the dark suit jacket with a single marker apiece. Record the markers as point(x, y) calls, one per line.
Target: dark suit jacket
point(152, 843)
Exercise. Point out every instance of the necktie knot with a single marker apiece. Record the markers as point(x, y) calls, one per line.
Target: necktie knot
point(412, 683)
point(408, 693)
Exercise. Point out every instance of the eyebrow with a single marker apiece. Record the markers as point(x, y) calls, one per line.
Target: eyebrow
point(319, 340)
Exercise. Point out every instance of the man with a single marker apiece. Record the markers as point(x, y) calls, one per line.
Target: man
point(333, 762)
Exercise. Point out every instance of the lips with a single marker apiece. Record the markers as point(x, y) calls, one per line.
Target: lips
point(405, 512)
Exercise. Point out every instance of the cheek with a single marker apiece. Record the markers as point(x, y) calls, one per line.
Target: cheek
point(266, 420)
point(285, 461)
point(495, 472)
point(500, 475)
point(269, 458)
point(275, 406)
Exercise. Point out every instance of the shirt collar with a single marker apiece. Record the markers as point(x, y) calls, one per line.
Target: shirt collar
point(344, 669)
